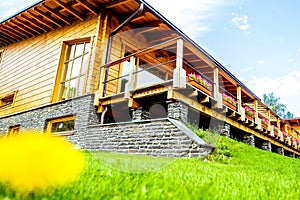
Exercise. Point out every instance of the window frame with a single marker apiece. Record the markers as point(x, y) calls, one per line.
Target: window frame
point(62, 70)
point(57, 120)
point(12, 129)
point(10, 105)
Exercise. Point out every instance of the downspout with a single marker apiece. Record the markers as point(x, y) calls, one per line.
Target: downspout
point(109, 46)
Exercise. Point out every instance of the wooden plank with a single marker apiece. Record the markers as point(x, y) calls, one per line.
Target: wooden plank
point(27, 25)
point(48, 17)
point(88, 6)
point(40, 26)
point(70, 10)
point(33, 69)
point(41, 20)
point(57, 14)
point(116, 3)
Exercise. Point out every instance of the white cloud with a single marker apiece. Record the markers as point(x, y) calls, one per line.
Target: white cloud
point(242, 22)
point(286, 88)
point(299, 50)
point(191, 16)
point(261, 62)
point(246, 69)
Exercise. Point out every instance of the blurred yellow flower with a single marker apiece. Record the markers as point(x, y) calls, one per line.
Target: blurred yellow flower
point(30, 162)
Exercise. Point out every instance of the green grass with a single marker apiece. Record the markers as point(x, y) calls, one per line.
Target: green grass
point(235, 171)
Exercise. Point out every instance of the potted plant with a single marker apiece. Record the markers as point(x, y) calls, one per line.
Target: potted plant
point(249, 112)
point(199, 82)
point(229, 101)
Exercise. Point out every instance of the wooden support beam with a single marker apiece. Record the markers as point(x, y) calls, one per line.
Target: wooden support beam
point(7, 37)
point(27, 25)
point(11, 34)
point(255, 108)
point(88, 6)
point(205, 100)
point(34, 23)
point(132, 103)
point(216, 82)
point(179, 74)
point(3, 41)
point(115, 3)
point(278, 123)
point(269, 119)
point(70, 10)
point(17, 30)
point(239, 98)
point(22, 27)
point(57, 14)
point(41, 20)
point(48, 17)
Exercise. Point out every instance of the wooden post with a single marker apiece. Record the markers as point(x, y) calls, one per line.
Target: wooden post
point(179, 74)
point(255, 106)
point(269, 119)
point(216, 82)
point(217, 95)
point(239, 98)
point(278, 123)
point(129, 86)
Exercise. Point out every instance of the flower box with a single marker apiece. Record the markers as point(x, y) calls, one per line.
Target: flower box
point(249, 113)
point(229, 101)
point(249, 117)
point(229, 105)
point(200, 87)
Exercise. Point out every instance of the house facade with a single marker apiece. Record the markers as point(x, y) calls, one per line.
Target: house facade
point(117, 76)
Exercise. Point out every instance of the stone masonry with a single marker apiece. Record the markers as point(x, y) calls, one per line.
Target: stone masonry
point(36, 119)
point(156, 138)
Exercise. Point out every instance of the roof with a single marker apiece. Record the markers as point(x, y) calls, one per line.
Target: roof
point(48, 15)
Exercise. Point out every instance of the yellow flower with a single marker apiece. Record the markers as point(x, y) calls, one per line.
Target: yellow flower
point(33, 162)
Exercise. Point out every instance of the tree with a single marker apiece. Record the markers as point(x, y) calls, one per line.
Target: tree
point(272, 102)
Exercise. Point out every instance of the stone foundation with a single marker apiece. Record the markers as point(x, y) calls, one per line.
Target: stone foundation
point(156, 138)
point(37, 119)
point(266, 145)
point(249, 139)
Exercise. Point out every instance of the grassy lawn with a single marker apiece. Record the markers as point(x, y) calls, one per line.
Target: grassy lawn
point(236, 171)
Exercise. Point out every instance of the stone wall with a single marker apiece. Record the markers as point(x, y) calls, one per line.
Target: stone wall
point(152, 137)
point(36, 119)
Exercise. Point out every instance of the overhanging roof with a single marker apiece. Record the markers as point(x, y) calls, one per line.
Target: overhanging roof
point(48, 15)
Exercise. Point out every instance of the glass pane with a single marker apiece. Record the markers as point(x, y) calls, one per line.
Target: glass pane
point(85, 64)
point(87, 47)
point(71, 55)
point(76, 67)
point(68, 67)
point(63, 92)
point(79, 49)
point(81, 85)
point(72, 89)
point(62, 126)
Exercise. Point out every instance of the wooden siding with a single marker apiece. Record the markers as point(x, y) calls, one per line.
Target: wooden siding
point(30, 66)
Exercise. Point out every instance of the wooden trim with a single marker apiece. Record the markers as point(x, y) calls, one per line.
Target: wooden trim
point(61, 119)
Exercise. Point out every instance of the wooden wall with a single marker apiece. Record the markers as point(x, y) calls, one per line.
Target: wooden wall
point(30, 66)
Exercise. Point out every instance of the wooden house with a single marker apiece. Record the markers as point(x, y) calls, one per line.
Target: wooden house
point(115, 75)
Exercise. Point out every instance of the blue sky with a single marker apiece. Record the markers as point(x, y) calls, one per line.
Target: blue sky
point(257, 40)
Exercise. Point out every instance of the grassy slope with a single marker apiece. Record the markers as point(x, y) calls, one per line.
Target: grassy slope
point(248, 174)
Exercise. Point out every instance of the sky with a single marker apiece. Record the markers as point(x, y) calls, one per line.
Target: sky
point(256, 40)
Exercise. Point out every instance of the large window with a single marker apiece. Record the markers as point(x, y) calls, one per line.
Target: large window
point(72, 73)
